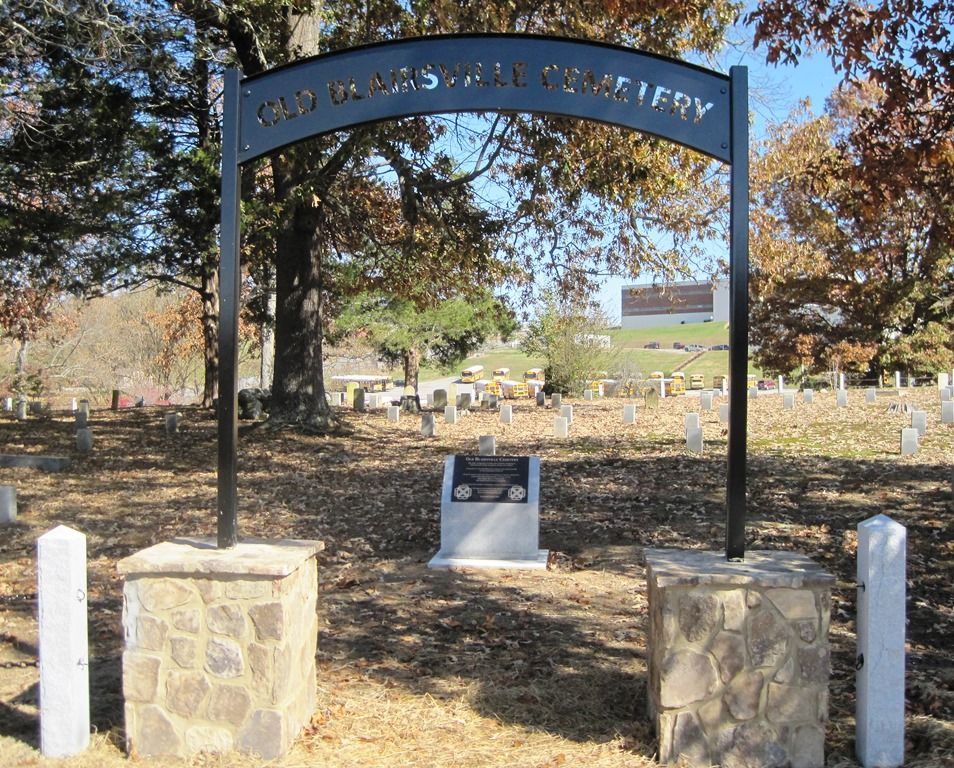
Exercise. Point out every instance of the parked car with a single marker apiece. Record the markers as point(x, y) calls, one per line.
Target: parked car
point(718, 347)
point(678, 345)
point(766, 384)
point(695, 348)
point(651, 345)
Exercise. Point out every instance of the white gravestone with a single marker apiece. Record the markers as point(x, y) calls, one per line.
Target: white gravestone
point(781, 383)
point(629, 414)
point(947, 394)
point(897, 379)
point(909, 441)
point(556, 400)
point(692, 422)
point(8, 504)
point(788, 401)
point(450, 414)
point(506, 414)
point(841, 398)
point(947, 412)
point(21, 410)
point(566, 411)
point(588, 394)
point(73, 405)
point(490, 513)
point(723, 413)
point(394, 413)
point(487, 445)
point(64, 656)
point(561, 427)
point(694, 439)
point(919, 422)
point(8, 404)
point(427, 425)
point(879, 705)
point(172, 423)
point(705, 401)
point(871, 395)
point(84, 440)
point(753, 393)
point(942, 380)
point(725, 386)
point(841, 381)
point(808, 396)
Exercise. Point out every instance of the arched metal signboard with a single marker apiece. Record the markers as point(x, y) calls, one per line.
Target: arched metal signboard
point(693, 106)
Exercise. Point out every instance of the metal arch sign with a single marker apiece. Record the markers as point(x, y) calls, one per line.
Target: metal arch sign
point(696, 107)
point(485, 73)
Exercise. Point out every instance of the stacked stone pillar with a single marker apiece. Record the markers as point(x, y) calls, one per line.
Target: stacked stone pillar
point(220, 646)
point(738, 658)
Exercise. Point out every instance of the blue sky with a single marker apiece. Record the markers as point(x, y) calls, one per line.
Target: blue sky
point(773, 92)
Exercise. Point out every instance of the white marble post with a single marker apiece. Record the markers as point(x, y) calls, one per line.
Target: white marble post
point(21, 410)
point(394, 413)
point(506, 414)
point(841, 398)
point(556, 400)
point(705, 401)
point(723, 413)
point(897, 379)
point(8, 403)
point(73, 405)
point(919, 422)
point(64, 655)
point(450, 414)
point(8, 504)
point(788, 401)
point(629, 414)
point(879, 707)
point(808, 395)
point(588, 394)
point(427, 425)
point(947, 412)
point(753, 393)
point(841, 382)
point(694, 439)
point(692, 422)
point(942, 380)
point(909, 441)
point(781, 383)
point(566, 411)
point(561, 428)
point(487, 445)
point(871, 395)
point(172, 423)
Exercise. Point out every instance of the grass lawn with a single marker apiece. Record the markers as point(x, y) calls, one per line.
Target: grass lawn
point(706, 334)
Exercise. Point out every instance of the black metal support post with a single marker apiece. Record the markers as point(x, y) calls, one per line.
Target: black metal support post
point(738, 312)
point(229, 289)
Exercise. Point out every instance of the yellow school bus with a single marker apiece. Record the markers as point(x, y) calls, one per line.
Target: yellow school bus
point(515, 389)
point(533, 374)
point(501, 374)
point(678, 383)
point(494, 388)
point(472, 374)
point(697, 381)
point(718, 380)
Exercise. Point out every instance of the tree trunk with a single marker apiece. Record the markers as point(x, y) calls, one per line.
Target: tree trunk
point(298, 392)
point(267, 332)
point(210, 335)
point(412, 367)
point(20, 365)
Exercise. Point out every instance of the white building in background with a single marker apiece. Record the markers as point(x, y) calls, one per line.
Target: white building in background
point(648, 305)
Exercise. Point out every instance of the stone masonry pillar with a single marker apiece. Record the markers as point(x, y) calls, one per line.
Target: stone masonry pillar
point(220, 646)
point(738, 658)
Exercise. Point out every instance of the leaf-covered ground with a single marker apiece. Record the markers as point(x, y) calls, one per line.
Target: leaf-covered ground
point(489, 668)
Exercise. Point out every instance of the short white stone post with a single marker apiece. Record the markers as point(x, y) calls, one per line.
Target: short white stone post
point(487, 445)
point(694, 439)
point(8, 403)
point(723, 413)
point(394, 413)
point(560, 427)
point(947, 412)
point(705, 401)
point(781, 383)
point(788, 401)
point(942, 380)
point(629, 414)
point(919, 422)
point(506, 414)
point(753, 393)
point(8, 504)
point(588, 394)
point(172, 423)
point(566, 411)
point(84, 406)
point(427, 425)
point(64, 655)
point(556, 400)
point(692, 422)
point(21, 410)
point(909, 441)
point(841, 398)
point(808, 396)
point(73, 405)
point(871, 395)
point(841, 382)
point(897, 379)
point(879, 707)
point(450, 414)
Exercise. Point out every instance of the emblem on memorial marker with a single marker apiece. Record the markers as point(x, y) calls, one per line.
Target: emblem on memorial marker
point(495, 479)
